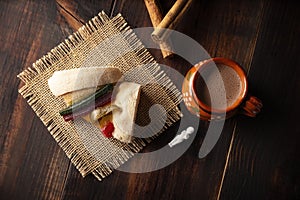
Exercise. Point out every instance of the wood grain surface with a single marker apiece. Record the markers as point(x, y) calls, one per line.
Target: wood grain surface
point(254, 158)
point(265, 151)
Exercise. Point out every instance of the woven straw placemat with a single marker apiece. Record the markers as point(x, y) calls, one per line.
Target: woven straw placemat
point(100, 42)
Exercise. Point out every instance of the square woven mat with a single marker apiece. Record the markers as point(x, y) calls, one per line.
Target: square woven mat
point(100, 42)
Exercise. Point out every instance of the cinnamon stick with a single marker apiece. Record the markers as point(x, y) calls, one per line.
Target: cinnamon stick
point(156, 17)
point(171, 20)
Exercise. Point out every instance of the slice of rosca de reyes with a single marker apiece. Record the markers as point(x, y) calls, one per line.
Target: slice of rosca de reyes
point(126, 100)
point(71, 80)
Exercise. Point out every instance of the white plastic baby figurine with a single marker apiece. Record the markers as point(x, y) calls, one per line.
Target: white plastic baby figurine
point(184, 135)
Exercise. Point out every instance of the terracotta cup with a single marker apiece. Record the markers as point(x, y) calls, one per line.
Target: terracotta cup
point(242, 104)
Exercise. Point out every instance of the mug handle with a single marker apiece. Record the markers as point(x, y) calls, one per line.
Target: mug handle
point(251, 106)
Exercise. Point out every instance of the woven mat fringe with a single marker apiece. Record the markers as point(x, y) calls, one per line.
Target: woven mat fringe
point(64, 135)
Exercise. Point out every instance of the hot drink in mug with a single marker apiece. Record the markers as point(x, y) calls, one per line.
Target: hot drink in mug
point(216, 89)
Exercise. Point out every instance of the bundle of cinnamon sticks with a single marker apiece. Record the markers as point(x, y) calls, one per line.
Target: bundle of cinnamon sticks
point(163, 25)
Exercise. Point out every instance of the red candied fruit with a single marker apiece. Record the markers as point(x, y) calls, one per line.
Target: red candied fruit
point(108, 129)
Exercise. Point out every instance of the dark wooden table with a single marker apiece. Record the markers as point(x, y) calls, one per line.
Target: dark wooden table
point(254, 158)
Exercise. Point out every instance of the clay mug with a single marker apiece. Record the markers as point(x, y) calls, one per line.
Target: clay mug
point(217, 89)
